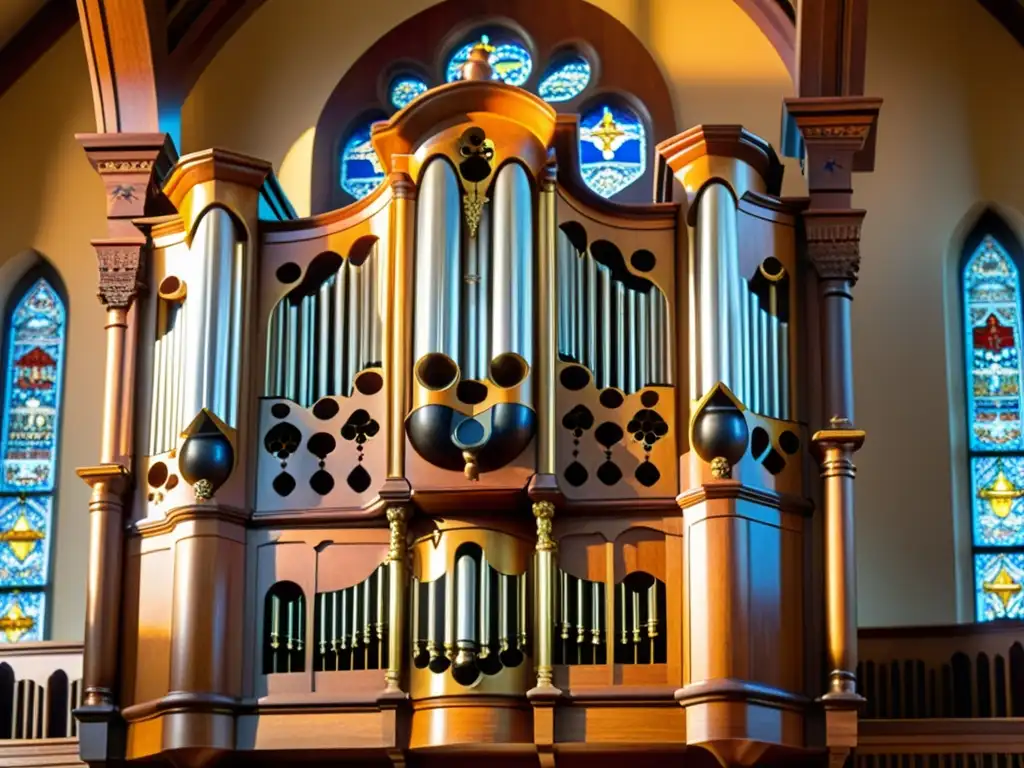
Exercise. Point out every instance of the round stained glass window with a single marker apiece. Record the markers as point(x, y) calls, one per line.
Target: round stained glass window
point(613, 148)
point(404, 89)
point(565, 81)
point(510, 62)
point(361, 171)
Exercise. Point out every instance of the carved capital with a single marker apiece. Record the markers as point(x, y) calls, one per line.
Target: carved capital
point(120, 273)
point(833, 243)
point(402, 186)
point(398, 517)
point(544, 511)
point(132, 166)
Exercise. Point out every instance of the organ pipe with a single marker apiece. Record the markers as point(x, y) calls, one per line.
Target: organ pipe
point(512, 266)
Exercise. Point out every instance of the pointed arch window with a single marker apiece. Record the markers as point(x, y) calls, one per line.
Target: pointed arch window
point(994, 343)
point(34, 341)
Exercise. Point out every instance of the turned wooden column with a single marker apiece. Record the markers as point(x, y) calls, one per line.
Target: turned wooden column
point(128, 165)
point(835, 132)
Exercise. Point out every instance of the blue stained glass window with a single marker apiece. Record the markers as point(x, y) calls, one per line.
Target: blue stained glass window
point(999, 585)
point(35, 331)
point(992, 335)
point(613, 149)
point(405, 90)
point(510, 62)
point(361, 171)
point(566, 81)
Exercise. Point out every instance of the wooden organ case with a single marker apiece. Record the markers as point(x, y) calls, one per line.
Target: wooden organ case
point(481, 465)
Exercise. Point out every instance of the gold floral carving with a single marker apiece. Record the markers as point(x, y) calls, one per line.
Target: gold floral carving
point(720, 468)
point(120, 276)
point(124, 166)
point(397, 519)
point(544, 511)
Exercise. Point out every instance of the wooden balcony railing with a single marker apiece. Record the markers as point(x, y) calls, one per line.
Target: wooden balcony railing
point(40, 686)
point(942, 696)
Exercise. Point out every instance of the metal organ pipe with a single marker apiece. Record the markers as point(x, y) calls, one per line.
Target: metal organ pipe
point(213, 362)
point(437, 274)
point(605, 285)
point(590, 309)
point(483, 294)
point(715, 275)
point(466, 608)
point(512, 265)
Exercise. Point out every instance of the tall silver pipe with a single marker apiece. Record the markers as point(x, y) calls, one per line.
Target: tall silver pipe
point(773, 365)
point(632, 342)
point(604, 322)
point(450, 611)
point(431, 636)
point(159, 375)
point(579, 313)
point(746, 347)
point(340, 293)
point(235, 332)
point(177, 315)
point(292, 314)
point(483, 295)
point(590, 312)
point(619, 314)
point(466, 601)
point(377, 263)
point(485, 607)
point(764, 342)
point(306, 315)
point(212, 362)
point(323, 335)
point(654, 330)
point(273, 353)
point(643, 341)
point(353, 335)
point(563, 256)
point(785, 397)
point(365, 313)
point(755, 352)
point(417, 634)
point(503, 611)
point(521, 612)
point(468, 359)
point(437, 255)
point(512, 265)
point(715, 274)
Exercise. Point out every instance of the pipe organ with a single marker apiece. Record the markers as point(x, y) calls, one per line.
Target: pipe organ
point(481, 463)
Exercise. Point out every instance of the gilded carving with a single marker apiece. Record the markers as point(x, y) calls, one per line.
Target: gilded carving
point(544, 511)
point(119, 273)
point(397, 519)
point(124, 166)
point(835, 131)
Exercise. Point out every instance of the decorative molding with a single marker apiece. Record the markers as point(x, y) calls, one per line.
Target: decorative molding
point(120, 274)
point(544, 511)
point(398, 517)
point(833, 243)
point(836, 131)
point(124, 166)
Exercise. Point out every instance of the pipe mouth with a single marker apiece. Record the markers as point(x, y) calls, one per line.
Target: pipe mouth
point(172, 289)
point(436, 371)
point(772, 269)
point(508, 370)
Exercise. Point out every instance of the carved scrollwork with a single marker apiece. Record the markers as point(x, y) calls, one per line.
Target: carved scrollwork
point(124, 166)
point(544, 511)
point(397, 519)
point(120, 274)
point(836, 131)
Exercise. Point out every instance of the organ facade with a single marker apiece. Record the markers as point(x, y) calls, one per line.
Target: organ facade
point(481, 465)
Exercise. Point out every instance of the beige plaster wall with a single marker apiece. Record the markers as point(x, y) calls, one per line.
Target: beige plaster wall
point(953, 101)
point(52, 203)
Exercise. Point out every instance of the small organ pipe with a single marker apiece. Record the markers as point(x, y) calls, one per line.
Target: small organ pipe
point(656, 332)
point(595, 603)
point(432, 587)
point(619, 314)
point(466, 605)
point(581, 629)
point(632, 343)
point(643, 341)
point(652, 610)
point(564, 254)
point(378, 617)
point(344, 619)
point(376, 264)
point(323, 328)
point(366, 300)
point(353, 331)
point(786, 395)
point(773, 366)
point(590, 311)
point(416, 635)
point(521, 612)
point(485, 608)
point(747, 347)
point(483, 294)
point(450, 609)
point(755, 353)
point(357, 619)
point(157, 441)
point(503, 611)
point(340, 290)
point(580, 313)
point(764, 343)
point(605, 368)
point(564, 604)
point(622, 612)
point(437, 255)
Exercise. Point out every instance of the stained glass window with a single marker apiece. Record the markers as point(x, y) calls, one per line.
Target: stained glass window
point(992, 323)
point(566, 81)
point(35, 330)
point(404, 90)
point(361, 171)
point(613, 149)
point(510, 62)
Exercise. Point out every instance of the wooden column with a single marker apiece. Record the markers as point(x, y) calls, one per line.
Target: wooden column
point(129, 165)
point(835, 131)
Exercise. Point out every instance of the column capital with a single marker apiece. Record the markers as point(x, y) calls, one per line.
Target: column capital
point(120, 266)
point(132, 166)
point(832, 240)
